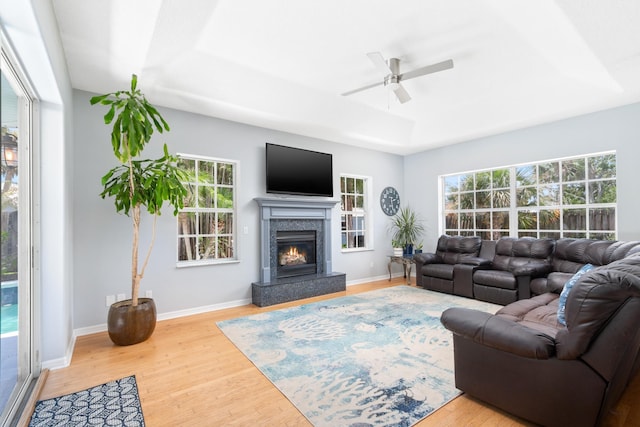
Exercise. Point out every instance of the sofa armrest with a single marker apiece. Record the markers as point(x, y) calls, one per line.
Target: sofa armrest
point(425, 258)
point(499, 333)
point(477, 262)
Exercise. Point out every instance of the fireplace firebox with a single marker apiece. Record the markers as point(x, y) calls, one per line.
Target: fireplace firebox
point(296, 253)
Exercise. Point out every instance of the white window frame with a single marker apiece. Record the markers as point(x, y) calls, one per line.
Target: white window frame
point(199, 210)
point(514, 210)
point(365, 213)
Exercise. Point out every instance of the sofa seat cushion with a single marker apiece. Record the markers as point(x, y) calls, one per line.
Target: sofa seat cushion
point(495, 278)
point(441, 271)
point(539, 313)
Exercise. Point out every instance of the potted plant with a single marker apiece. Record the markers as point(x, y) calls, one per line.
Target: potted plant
point(418, 248)
point(397, 248)
point(136, 184)
point(406, 228)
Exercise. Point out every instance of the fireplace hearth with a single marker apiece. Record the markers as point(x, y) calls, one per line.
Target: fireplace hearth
point(295, 237)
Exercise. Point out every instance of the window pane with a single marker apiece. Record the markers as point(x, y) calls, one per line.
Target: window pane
point(501, 178)
point(452, 201)
point(451, 220)
point(501, 198)
point(350, 185)
point(550, 219)
point(574, 219)
point(206, 172)
point(483, 180)
point(466, 201)
point(549, 173)
point(225, 223)
point(483, 220)
point(225, 247)
point(549, 195)
point(602, 192)
point(483, 199)
point(206, 195)
point(602, 166)
point(573, 170)
point(360, 202)
point(207, 247)
point(527, 220)
point(466, 182)
point(466, 221)
point(359, 186)
point(187, 249)
point(189, 166)
point(343, 184)
point(501, 220)
point(525, 175)
point(602, 219)
point(451, 184)
point(225, 197)
point(186, 223)
point(574, 194)
point(225, 174)
point(527, 196)
point(206, 221)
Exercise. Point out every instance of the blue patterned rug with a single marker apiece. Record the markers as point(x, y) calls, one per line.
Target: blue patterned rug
point(380, 358)
point(115, 403)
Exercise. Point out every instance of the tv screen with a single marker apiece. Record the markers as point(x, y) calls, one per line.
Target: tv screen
point(298, 172)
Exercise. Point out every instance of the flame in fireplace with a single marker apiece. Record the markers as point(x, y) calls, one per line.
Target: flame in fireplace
point(293, 257)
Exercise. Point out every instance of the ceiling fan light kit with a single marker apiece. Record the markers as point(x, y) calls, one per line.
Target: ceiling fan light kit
point(392, 76)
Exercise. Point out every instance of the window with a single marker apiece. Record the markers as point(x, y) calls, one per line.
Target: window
point(354, 201)
point(207, 223)
point(573, 197)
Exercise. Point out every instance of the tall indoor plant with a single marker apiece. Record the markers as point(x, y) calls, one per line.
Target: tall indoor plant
point(406, 228)
point(136, 184)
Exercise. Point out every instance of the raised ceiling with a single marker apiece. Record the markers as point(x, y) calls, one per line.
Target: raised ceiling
point(283, 64)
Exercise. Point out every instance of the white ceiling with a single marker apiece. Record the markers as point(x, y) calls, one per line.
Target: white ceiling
point(283, 64)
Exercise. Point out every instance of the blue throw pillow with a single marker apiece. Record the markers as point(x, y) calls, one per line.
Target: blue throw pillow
point(562, 303)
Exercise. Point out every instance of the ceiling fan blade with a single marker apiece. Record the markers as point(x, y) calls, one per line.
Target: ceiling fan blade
point(380, 63)
point(360, 89)
point(402, 94)
point(433, 68)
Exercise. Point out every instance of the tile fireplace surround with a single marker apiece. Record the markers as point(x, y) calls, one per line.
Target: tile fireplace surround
point(280, 214)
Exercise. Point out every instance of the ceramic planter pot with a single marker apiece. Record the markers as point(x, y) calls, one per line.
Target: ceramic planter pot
point(128, 325)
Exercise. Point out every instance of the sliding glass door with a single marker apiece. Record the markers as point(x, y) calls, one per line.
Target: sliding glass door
point(16, 315)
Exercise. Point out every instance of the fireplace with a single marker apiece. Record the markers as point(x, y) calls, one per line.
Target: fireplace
point(295, 262)
point(296, 253)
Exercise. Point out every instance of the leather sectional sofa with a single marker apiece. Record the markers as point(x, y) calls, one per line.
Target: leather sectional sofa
point(524, 360)
point(511, 269)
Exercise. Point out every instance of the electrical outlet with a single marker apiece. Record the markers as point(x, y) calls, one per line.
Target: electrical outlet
point(111, 299)
point(148, 294)
point(120, 297)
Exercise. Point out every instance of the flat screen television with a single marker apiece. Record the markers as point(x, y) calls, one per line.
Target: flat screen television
point(297, 171)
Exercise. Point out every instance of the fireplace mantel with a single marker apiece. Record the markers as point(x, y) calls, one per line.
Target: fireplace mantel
point(293, 209)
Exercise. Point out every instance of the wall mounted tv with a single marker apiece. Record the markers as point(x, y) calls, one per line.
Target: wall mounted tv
point(297, 171)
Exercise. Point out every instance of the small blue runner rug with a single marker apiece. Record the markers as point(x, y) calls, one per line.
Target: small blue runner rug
point(115, 403)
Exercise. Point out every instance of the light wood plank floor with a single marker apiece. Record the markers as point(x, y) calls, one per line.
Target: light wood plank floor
point(189, 374)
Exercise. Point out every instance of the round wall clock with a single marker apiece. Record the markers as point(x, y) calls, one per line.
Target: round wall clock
point(390, 201)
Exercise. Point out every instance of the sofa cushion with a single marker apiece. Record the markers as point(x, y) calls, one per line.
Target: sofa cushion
point(454, 249)
point(539, 313)
point(495, 278)
point(442, 271)
point(562, 302)
point(525, 252)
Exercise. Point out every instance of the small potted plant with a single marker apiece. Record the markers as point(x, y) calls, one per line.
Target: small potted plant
point(418, 248)
point(406, 228)
point(397, 248)
point(136, 184)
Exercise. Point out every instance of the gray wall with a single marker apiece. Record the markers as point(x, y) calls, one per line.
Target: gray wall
point(616, 129)
point(103, 238)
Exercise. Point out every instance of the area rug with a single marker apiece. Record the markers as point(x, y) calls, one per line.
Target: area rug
point(115, 403)
point(380, 358)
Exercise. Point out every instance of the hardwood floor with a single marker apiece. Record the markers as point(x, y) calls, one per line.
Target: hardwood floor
point(189, 374)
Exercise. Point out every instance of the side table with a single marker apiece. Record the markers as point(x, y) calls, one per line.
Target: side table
point(406, 261)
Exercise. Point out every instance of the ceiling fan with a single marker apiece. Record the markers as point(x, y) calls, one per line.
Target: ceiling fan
point(392, 79)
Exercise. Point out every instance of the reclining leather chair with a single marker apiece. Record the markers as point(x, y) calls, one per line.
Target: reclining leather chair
point(516, 262)
point(525, 362)
point(444, 270)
